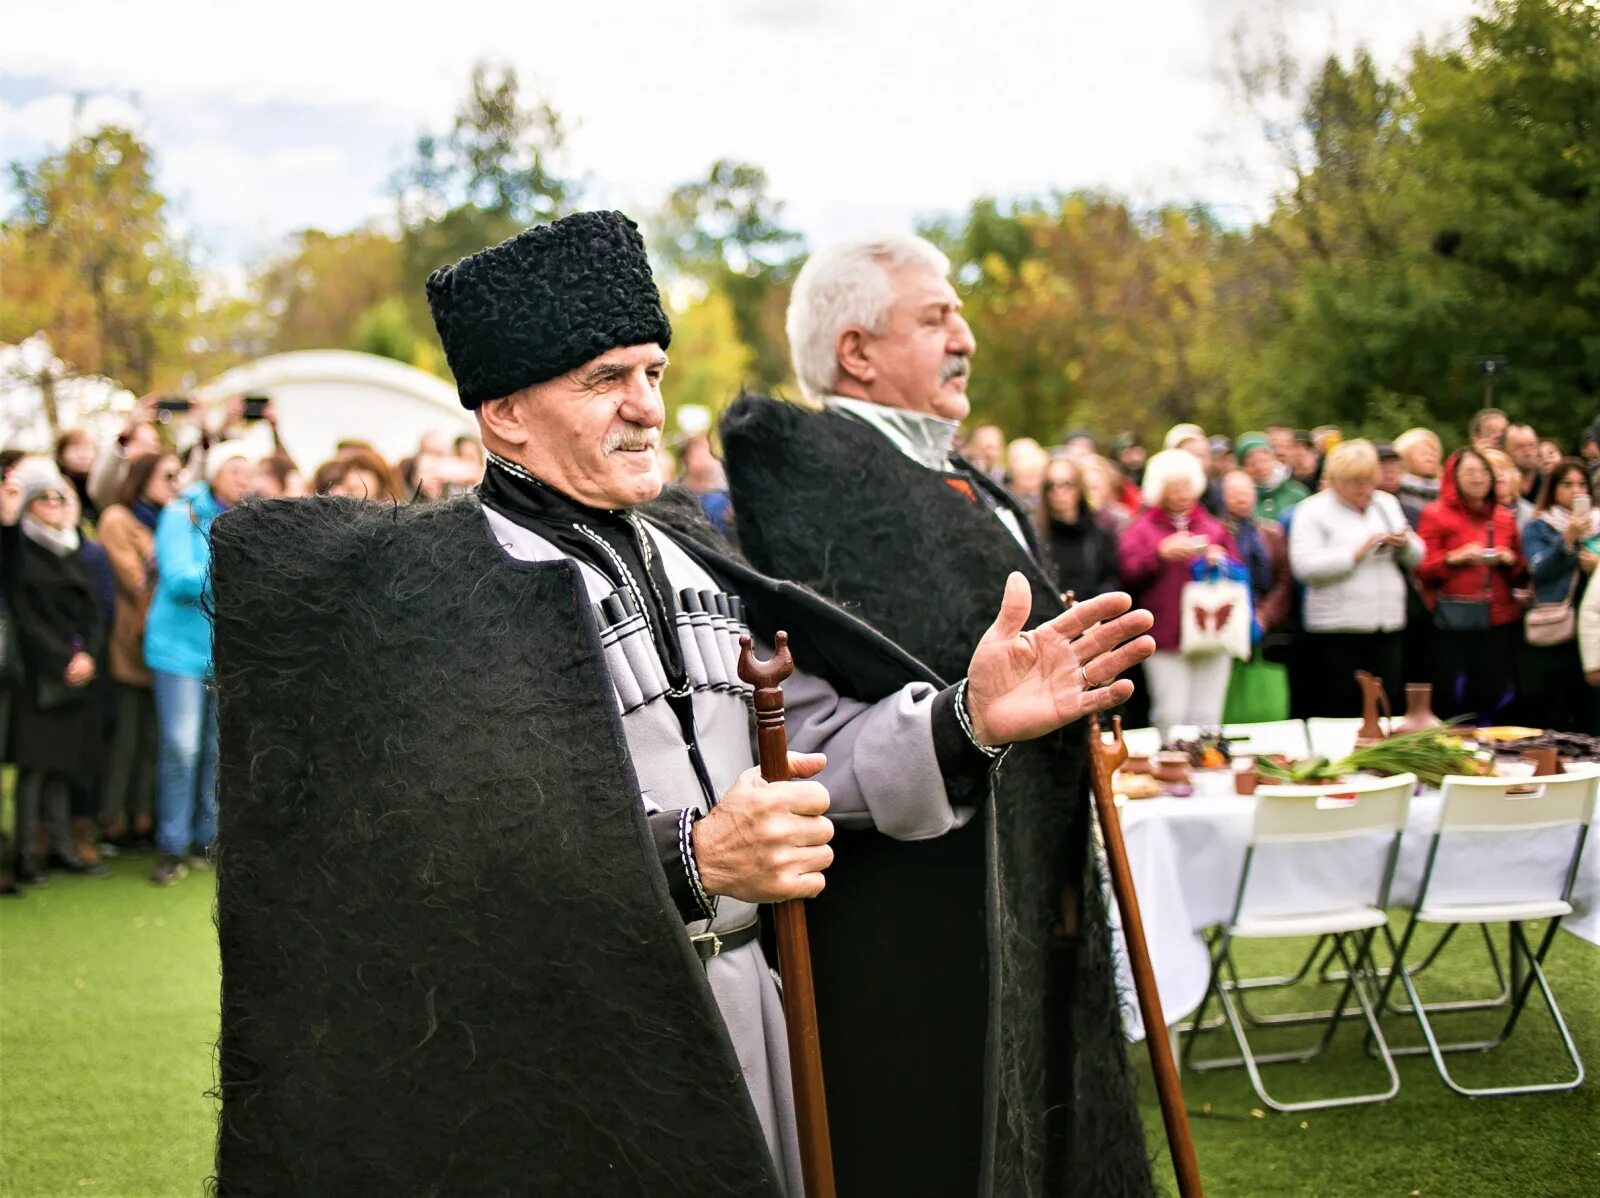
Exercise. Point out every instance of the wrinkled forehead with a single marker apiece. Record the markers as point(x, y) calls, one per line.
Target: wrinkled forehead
point(917, 286)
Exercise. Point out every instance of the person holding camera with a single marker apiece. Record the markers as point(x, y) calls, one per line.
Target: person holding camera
point(1470, 569)
point(1559, 546)
point(177, 648)
point(1350, 545)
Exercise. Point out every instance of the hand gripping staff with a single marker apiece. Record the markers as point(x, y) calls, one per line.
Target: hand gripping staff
point(1103, 760)
point(789, 918)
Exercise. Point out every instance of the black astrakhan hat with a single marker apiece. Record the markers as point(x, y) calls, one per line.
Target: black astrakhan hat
point(546, 301)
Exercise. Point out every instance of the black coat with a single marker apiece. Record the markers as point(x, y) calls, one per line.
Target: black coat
point(52, 600)
point(971, 1042)
point(1085, 556)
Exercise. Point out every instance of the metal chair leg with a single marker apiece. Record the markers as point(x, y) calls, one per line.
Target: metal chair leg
point(1521, 956)
point(1252, 1061)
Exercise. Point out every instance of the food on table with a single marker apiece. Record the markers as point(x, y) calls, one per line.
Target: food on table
point(1507, 732)
point(1429, 753)
point(1136, 786)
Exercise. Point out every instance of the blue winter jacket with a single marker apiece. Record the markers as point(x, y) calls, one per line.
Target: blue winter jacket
point(177, 633)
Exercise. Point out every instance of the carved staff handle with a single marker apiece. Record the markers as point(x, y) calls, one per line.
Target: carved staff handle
point(789, 919)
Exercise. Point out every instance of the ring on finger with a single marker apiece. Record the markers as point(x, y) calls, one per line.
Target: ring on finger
point(1083, 673)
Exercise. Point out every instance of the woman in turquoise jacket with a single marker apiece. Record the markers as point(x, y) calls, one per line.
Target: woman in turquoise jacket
point(177, 648)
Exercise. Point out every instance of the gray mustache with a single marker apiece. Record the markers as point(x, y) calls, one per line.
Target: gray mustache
point(632, 436)
point(956, 366)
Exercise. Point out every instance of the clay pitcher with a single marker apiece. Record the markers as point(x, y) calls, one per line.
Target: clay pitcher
point(1373, 699)
point(1419, 709)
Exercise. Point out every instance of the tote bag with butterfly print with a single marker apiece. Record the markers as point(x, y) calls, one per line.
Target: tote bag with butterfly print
point(1216, 613)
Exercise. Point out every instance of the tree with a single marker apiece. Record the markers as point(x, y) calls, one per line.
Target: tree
point(1085, 313)
point(89, 259)
point(710, 363)
point(495, 173)
point(1446, 216)
point(726, 234)
point(1509, 126)
point(316, 296)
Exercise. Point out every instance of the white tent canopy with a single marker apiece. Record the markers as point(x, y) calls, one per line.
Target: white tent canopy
point(323, 396)
point(85, 401)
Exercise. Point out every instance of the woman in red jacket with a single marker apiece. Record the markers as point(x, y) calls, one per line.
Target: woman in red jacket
point(1472, 562)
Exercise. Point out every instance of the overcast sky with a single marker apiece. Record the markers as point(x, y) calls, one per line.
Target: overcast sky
point(270, 117)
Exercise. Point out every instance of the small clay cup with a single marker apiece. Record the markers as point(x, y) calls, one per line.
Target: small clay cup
point(1545, 761)
point(1170, 767)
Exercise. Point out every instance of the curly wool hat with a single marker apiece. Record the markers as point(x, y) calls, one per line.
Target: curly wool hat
point(548, 300)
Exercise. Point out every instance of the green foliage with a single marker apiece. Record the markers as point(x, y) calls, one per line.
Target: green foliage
point(710, 362)
point(1086, 313)
point(1443, 218)
point(88, 258)
point(385, 329)
point(315, 296)
point(726, 233)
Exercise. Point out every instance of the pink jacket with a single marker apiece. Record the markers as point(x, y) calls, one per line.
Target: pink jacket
point(1158, 584)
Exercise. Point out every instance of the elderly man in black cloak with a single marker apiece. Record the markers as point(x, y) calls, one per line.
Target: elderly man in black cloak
point(1007, 1071)
point(493, 842)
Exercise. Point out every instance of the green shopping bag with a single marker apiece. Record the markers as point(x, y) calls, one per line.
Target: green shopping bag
point(1258, 693)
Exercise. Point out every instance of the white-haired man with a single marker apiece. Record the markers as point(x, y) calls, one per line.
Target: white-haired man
point(987, 947)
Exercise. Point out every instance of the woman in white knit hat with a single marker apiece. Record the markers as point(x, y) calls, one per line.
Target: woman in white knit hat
point(61, 632)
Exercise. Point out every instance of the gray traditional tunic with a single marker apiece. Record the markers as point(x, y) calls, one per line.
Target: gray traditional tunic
point(882, 772)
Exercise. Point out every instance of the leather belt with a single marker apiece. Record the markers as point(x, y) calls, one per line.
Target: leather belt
point(714, 944)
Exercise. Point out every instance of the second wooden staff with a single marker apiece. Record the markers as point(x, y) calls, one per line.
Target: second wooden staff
point(1103, 761)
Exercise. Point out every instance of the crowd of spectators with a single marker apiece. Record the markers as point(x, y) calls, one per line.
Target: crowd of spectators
point(106, 713)
point(1468, 570)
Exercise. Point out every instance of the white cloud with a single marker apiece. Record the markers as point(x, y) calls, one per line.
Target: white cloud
point(54, 119)
point(864, 114)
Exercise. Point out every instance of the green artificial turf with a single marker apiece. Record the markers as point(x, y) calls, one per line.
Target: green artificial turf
point(108, 1019)
point(108, 1008)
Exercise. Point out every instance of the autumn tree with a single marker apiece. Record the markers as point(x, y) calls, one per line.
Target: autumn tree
point(319, 293)
point(1086, 313)
point(88, 258)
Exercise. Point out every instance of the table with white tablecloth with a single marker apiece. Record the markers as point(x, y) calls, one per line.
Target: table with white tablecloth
point(1187, 855)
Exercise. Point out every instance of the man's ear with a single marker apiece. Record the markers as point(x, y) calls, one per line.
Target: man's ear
point(502, 420)
point(851, 351)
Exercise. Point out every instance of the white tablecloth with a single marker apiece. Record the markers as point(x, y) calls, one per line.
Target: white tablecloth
point(1187, 855)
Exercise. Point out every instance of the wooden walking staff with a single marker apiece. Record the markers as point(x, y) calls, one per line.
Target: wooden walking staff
point(789, 918)
point(1103, 761)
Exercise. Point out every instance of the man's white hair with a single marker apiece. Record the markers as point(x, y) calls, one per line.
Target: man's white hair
point(844, 286)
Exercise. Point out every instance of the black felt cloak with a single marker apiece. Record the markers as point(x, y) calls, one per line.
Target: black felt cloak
point(450, 962)
point(971, 1041)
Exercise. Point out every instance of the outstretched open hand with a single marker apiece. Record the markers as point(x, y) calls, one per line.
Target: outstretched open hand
point(1021, 685)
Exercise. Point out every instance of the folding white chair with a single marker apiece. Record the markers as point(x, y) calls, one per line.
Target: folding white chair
point(1303, 816)
point(1334, 738)
point(1500, 806)
point(1287, 737)
point(1142, 742)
